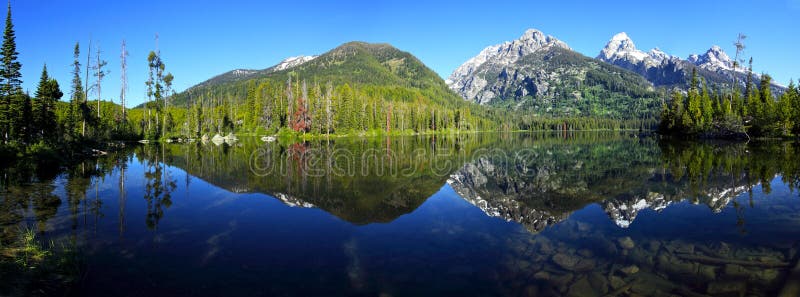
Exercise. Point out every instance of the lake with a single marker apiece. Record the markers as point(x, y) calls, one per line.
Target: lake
point(488, 214)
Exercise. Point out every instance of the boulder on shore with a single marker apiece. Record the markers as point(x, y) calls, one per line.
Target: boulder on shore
point(217, 139)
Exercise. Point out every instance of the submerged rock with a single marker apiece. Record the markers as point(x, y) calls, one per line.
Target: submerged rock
point(582, 287)
point(568, 262)
point(735, 288)
point(680, 247)
point(653, 246)
point(626, 242)
point(599, 282)
point(616, 282)
point(628, 270)
point(706, 272)
point(542, 275)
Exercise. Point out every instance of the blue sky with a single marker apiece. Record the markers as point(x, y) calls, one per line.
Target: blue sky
point(200, 39)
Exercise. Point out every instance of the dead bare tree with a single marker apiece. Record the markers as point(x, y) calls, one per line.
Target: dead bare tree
point(99, 73)
point(739, 44)
point(124, 77)
point(86, 87)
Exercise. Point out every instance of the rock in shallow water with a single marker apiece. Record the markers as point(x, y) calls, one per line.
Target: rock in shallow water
point(566, 261)
point(727, 287)
point(582, 287)
point(626, 242)
point(616, 282)
point(599, 282)
point(628, 270)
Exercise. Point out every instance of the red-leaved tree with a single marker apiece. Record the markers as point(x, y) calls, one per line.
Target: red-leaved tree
point(300, 119)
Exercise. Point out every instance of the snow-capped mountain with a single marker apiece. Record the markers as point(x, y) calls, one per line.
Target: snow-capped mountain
point(622, 49)
point(663, 69)
point(538, 72)
point(715, 59)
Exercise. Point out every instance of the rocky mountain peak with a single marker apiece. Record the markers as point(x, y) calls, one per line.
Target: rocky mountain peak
point(714, 59)
point(500, 55)
point(621, 47)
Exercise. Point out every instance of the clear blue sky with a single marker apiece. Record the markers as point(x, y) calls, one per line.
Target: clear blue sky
point(200, 39)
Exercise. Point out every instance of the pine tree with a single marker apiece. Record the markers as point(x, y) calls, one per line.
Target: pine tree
point(77, 106)
point(785, 110)
point(44, 118)
point(795, 98)
point(13, 100)
point(767, 117)
point(694, 106)
point(707, 108)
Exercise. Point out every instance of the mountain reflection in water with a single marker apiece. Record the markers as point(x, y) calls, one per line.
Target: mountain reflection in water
point(581, 214)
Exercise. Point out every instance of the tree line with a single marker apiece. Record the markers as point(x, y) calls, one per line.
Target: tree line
point(753, 111)
point(292, 104)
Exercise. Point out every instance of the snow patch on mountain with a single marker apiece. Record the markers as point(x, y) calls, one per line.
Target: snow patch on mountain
point(292, 62)
point(243, 72)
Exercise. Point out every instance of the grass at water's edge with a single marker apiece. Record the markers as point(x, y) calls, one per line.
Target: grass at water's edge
point(31, 267)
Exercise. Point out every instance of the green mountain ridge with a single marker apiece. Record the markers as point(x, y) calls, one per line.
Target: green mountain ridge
point(355, 63)
point(542, 76)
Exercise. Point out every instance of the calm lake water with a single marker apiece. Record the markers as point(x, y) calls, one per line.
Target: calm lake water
point(581, 214)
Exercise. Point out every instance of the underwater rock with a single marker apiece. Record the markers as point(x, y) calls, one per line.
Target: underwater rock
point(608, 247)
point(680, 247)
point(616, 282)
point(723, 249)
point(582, 287)
point(641, 256)
point(672, 265)
point(562, 281)
point(653, 246)
point(628, 270)
point(599, 282)
point(768, 275)
point(706, 272)
point(566, 261)
point(545, 245)
point(734, 270)
point(626, 242)
point(523, 265)
point(542, 275)
point(727, 287)
point(585, 265)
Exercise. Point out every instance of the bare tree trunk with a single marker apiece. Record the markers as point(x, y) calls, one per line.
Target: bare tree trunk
point(328, 98)
point(86, 88)
point(124, 87)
